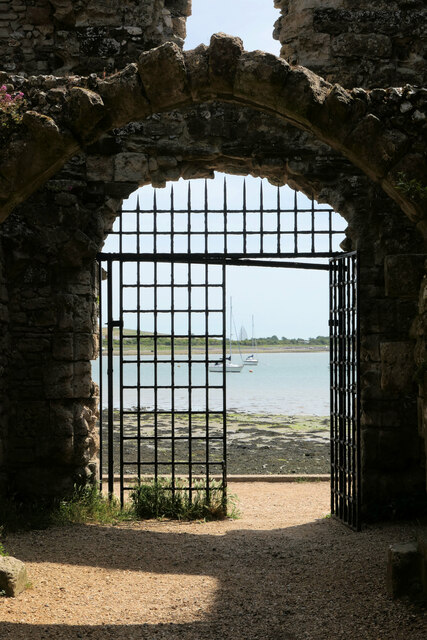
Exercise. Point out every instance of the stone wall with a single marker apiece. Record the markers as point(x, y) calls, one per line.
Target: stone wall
point(4, 345)
point(372, 45)
point(56, 341)
point(64, 36)
point(419, 333)
point(357, 44)
point(52, 409)
point(51, 241)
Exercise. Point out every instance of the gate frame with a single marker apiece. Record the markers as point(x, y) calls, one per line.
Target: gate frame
point(243, 258)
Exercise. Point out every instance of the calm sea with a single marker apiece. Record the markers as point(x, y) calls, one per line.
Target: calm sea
point(282, 383)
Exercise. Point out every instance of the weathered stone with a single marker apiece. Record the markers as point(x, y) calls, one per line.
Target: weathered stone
point(130, 167)
point(403, 274)
point(262, 77)
point(164, 77)
point(403, 570)
point(13, 576)
point(397, 366)
point(223, 53)
point(86, 110)
point(123, 96)
point(355, 44)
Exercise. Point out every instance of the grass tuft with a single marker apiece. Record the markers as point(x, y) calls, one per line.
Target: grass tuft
point(88, 505)
point(148, 500)
point(157, 500)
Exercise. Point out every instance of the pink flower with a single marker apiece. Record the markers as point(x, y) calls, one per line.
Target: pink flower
point(3, 87)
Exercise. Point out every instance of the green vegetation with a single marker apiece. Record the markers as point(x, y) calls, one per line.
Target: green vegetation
point(12, 107)
point(147, 342)
point(3, 551)
point(148, 500)
point(156, 500)
point(413, 188)
point(87, 504)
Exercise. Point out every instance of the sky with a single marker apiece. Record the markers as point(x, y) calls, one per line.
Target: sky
point(251, 20)
point(284, 302)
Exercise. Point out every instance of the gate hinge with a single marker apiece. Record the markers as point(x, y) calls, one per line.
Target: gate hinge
point(115, 323)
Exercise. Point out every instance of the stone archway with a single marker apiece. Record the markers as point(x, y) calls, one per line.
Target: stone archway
point(50, 244)
point(363, 129)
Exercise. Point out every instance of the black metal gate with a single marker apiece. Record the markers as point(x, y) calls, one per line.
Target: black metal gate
point(165, 278)
point(344, 372)
point(166, 421)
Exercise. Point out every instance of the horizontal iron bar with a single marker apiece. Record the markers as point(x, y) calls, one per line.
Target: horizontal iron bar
point(139, 438)
point(170, 386)
point(184, 233)
point(169, 464)
point(215, 259)
point(168, 413)
point(169, 311)
point(185, 211)
point(209, 258)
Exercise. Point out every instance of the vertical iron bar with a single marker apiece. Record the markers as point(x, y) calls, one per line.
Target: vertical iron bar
point(172, 227)
point(225, 217)
point(330, 231)
point(245, 248)
point(101, 380)
point(295, 223)
point(224, 391)
point(261, 218)
point(206, 209)
point(190, 378)
point(332, 373)
point(110, 378)
point(155, 343)
point(138, 335)
point(121, 428)
point(312, 225)
point(207, 461)
point(279, 230)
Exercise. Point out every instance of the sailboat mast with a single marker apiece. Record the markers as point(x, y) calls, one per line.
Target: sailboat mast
point(231, 320)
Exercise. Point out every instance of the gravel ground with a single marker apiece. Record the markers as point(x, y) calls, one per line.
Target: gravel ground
point(283, 571)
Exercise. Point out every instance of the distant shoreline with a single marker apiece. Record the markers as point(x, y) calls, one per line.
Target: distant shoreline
point(215, 351)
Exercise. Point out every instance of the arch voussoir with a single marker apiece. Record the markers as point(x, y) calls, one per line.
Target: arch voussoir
point(166, 79)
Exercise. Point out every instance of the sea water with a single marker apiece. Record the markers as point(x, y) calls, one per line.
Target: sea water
point(282, 383)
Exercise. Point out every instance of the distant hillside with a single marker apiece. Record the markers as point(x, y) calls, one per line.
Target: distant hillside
point(147, 342)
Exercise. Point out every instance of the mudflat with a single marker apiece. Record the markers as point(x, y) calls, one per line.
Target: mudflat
point(259, 444)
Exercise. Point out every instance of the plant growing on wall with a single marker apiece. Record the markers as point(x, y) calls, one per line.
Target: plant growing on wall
point(12, 105)
point(412, 188)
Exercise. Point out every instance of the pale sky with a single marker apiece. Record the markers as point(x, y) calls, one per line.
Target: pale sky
point(251, 20)
point(284, 302)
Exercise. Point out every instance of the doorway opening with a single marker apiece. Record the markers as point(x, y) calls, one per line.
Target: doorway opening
point(165, 364)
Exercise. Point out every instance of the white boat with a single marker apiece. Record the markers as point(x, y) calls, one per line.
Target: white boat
point(230, 367)
point(252, 359)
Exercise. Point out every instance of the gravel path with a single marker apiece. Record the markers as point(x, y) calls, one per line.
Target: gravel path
point(281, 572)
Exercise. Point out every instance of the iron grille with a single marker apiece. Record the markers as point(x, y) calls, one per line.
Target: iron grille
point(167, 422)
point(344, 372)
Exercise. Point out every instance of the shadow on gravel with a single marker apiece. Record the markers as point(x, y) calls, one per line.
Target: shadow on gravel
point(317, 581)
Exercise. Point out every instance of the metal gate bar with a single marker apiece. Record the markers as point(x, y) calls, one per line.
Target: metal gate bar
point(291, 226)
point(130, 441)
point(344, 372)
